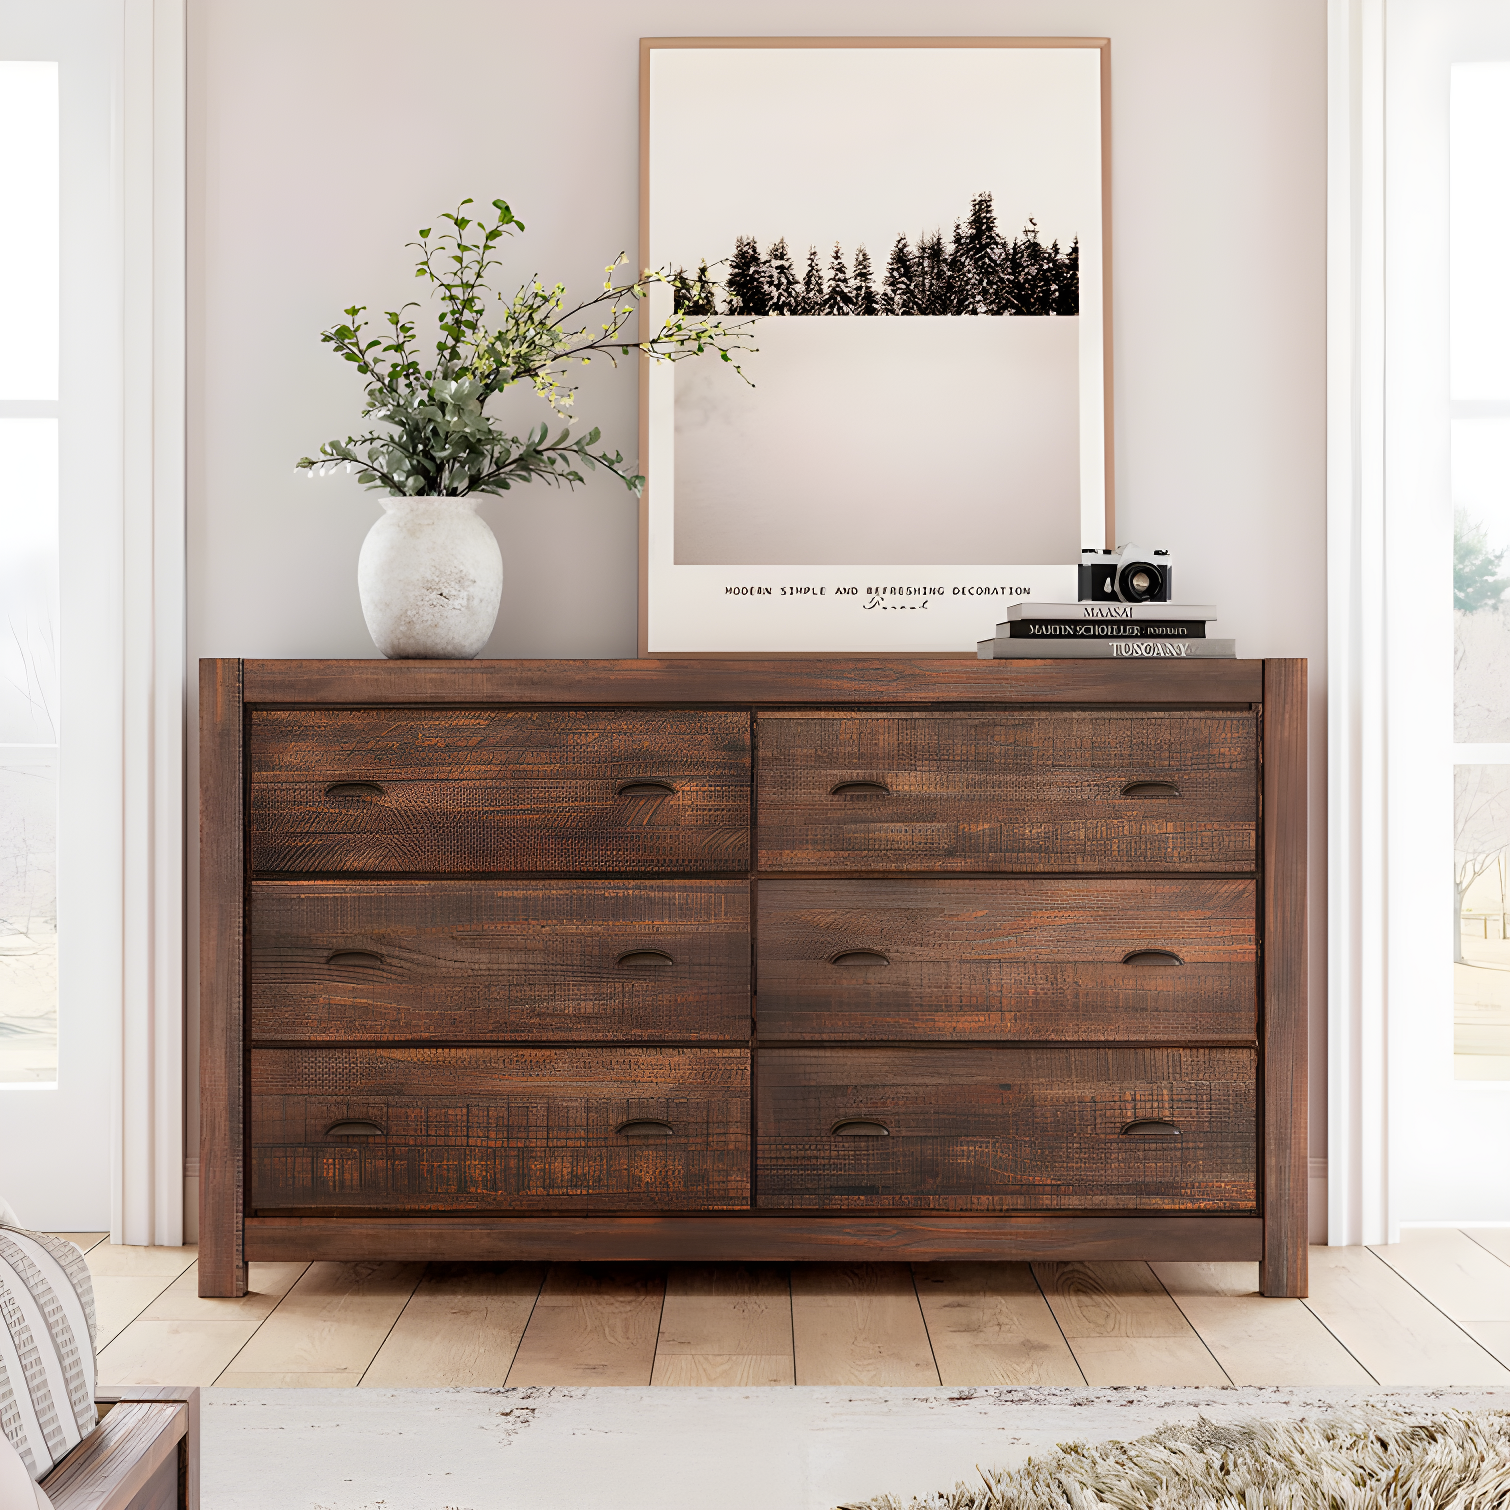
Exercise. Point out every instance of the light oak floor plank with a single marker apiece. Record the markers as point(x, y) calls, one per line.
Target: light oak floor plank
point(328, 1327)
point(461, 1327)
point(593, 1324)
point(1122, 1326)
point(1495, 1239)
point(84, 1240)
point(1391, 1329)
point(186, 1338)
point(1460, 1277)
point(990, 1324)
point(127, 1280)
point(1257, 1339)
point(859, 1324)
point(725, 1324)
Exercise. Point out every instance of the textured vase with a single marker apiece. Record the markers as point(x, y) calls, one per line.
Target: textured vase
point(430, 577)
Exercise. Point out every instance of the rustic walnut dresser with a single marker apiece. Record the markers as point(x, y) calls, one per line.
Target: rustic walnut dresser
point(812, 958)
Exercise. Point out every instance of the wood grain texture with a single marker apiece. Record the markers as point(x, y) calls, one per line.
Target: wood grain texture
point(990, 1325)
point(1027, 959)
point(327, 1329)
point(222, 1269)
point(122, 1459)
point(725, 1324)
point(1390, 1327)
point(460, 1329)
point(1459, 1276)
point(1012, 791)
point(183, 1337)
point(1257, 1339)
point(983, 1129)
point(760, 680)
point(798, 1238)
point(859, 1324)
point(188, 1453)
point(1122, 1326)
point(499, 961)
point(500, 1128)
point(1285, 1028)
point(533, 792)
point(593, 1324)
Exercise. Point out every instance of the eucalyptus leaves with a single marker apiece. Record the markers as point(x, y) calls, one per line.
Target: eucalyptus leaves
point(439, 440)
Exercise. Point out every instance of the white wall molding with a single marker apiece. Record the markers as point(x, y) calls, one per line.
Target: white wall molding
point(148, 1184)
point(1358, 1000)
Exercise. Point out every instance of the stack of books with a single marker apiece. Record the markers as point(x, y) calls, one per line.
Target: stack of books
point(1109, 631)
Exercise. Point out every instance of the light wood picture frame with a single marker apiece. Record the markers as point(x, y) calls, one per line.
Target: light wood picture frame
point(886, 485)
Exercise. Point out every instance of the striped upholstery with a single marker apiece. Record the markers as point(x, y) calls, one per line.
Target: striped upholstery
point(46, 1347)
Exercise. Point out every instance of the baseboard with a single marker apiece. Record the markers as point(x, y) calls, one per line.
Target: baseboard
point(1316, 1199)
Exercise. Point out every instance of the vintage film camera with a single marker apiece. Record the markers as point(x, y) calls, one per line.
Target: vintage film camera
point(1129, 574)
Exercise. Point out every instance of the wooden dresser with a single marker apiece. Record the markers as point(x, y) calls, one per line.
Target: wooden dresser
point(813, 958)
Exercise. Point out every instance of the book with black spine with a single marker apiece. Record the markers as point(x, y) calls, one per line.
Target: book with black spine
point(1003, 647)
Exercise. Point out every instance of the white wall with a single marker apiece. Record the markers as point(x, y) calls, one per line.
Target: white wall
point(324, 132)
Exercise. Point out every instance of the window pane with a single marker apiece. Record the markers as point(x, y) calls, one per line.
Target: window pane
point(1480, 230)
point(29, 230)
point(1481, 505)
point(1481, 879)
point(28, 750)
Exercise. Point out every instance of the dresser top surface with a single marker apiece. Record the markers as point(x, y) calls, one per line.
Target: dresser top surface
point(753, 681)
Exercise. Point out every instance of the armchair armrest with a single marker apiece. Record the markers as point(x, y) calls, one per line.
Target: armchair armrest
point(144, 1455)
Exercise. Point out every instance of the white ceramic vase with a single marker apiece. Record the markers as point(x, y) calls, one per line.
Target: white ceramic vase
point(430, 577)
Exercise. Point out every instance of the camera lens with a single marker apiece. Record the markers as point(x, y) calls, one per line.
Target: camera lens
point(1140, 582)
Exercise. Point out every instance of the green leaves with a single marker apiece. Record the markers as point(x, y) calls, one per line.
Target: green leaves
point(437, 438)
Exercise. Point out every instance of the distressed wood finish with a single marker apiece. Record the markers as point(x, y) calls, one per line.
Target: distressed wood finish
point(222, 881)
point(500, 1129)
point(1026, 791)
point(1286, 1173)
point(1011, 959)
point(998, 1129)
point(473, 962)
point(439, 953)
point(755, 681)
point(135, 1459)
point(802, 1238)
point(537, 792)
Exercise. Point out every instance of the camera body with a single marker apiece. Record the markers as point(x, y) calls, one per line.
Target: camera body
point(1129, 574)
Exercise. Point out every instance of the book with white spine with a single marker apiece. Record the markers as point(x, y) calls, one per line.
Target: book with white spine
point(1159, 612)
point(1004, 647)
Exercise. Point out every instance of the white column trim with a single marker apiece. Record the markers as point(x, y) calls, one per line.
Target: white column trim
point(148, 1184)
point(1358, 1206)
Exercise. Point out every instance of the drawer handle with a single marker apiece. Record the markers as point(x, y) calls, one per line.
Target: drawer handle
point(860, 1128)
point(353, 1129)
point(638, 958)
point(1151, 789)
point(865, 958)
point(1150, 1127)
point(645, 789)
point(1152, 957)
point(645, 1127)
point(354, 791)
point(860, 789)
point(361, 959)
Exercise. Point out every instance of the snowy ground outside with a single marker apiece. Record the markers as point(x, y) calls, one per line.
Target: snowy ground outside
point(1481, 1006)
point(28, 914)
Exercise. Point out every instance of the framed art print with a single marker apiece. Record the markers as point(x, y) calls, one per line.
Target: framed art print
point(917, 229)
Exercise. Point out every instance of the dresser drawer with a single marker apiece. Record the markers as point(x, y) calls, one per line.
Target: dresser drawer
point(479, 961)
point(1095, 960)
point(553, 792)
point(498, 1129)
point(995, 1129)
point(1037, 790)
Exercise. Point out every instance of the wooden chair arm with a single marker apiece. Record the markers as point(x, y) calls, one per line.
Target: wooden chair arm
point(144, 1454)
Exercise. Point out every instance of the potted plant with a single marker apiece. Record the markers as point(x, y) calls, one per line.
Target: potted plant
point(430, 572)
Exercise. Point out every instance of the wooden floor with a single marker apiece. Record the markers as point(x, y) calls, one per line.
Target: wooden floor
point(1432, 1310)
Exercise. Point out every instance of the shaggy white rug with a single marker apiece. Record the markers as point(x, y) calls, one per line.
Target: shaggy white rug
point(1363, 1460)
point(692, 1449)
